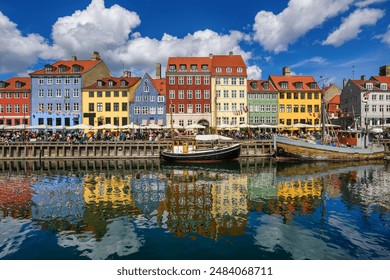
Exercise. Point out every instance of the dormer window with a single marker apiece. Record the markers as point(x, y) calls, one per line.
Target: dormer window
point(172, 68)
point(369, 86)
point(100, 83)
point(229, 69)
point(123, 83)
point(205, 67)
point(2, 84)
point(194, 67)
point(265, 85)
point(76, 68)
point(146, 87)
point(110, 83)
point(313, 85)
point(19, 84)
point(239, 69)
point(253, 85)
point(283, 85)
point(298, 85)
point(62, 69)
point(383, 86)
point(48, 69)
point(183, 67)
point(218, 69)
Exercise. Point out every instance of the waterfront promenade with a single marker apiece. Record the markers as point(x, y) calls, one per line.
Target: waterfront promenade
point(44, 150)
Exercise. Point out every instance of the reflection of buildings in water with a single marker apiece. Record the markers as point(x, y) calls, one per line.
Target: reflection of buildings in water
point(368, 186)
point(148, 191)
point(120, 239)
point(58, 198)
point(15, 196)
point(205, 202)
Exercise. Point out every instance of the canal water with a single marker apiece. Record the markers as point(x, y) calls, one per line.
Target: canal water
point(249, 209)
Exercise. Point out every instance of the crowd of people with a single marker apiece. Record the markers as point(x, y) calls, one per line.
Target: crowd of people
point(80, 136)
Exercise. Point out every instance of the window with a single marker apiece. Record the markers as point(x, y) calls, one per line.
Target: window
point(207, 108)
point(100, 107)
point(198, 94)
point(296, 95)
point(225, 81)
point(58, 92)
point(67, 94)
point(242, 81)
point(296, 109)
point(218, 81)
point(226, 107)
point(218, 69)
point(40, 93)
point(234, 107)
point(206, 94)
point(189, 80)
point(242, 93)
point(234, 93)
point(160, 110)
point(145, 110)
point(49, 93)
point(172, 68)
point(283, 85)
point(197, 80)
point(229, 69)
point(17, 108)
point(137, 110)
point(67, 80)
point(303, 108)
point(91, 107)
point(99, 94)
point(41, 81)
point(383, 86)
point(189, 108)
point(145, 99)
point(218, 94)
point(205, 67)
point(124, 93)
point(239, 69)
point(8, 108)
point(265, 85)
point(108, 107)
point(181, 108)
point(288, 108)
point(298, 85)
point(58, 106)
point(152, 110)
point(183, 67)
point(67, 107)
point(234, 81)
point(181, 94)
point(198, 108)
point(171, 94)
point(152, 98)
point(171, 80)
point(124, 106)
point(302, 95)
point(160, 98)
point(369, 86)
point(76, 92)
point(316, 95)
point(194, 67)
point(180, 80)
point(50, 80)
point(108, 94)
point(226, 94)
point(281, 108)
point(206, 80)
point(76, 81)
point(116, 106)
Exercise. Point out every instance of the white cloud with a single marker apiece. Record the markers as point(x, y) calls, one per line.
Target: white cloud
point(254, 72)
point(386, 37)
point(276, 32)
point(351, 26)
point(365, 3)
point(314, 60)
point(17, 52)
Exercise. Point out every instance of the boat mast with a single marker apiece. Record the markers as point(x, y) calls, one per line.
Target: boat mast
point(323, 117)
point(172, 130)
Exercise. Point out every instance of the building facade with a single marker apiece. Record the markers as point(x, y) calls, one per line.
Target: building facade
point(299, 100)
point(56, 89)
point(148, 105)
point(262, 102)
point(188, 90)
point(15, 101)
point(107, 101)
point(229, 90)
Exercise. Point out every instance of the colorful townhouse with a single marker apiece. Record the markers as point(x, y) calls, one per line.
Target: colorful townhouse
point(148, 105)
point(107, 100)
point(189, 91)
point(365, 103)
point(229, 90)
point(262, 102)
point(299, 99)
point(15, 101)
point(56, 89)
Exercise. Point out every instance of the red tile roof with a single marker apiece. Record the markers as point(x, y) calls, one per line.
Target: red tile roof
point(67, 66)
point(188, 61)
point(226, 61)
point(11, 84)
point(292, 83)
point(259, 86)
point(382, 79)
point(160, 85)
point(130, 81)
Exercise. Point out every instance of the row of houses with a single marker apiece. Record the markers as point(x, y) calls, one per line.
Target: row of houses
point(213, 91)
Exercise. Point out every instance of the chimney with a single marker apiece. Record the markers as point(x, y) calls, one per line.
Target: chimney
point(384, 71)
point(126, 74)
point(344, 82)
point(231, 53)
point(74, 58)
point(158, 70)
point(95, 56)
point(363, 77)
point(210, 55)
point(286, 71)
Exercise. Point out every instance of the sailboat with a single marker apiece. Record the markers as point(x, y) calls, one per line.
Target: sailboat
point(351, 145)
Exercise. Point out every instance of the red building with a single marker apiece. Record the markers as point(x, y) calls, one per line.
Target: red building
point(15, 101)
point(188, 89)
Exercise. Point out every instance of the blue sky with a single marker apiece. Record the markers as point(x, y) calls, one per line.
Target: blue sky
point(332, 39)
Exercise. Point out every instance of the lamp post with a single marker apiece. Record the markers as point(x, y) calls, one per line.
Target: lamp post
point(365, 122)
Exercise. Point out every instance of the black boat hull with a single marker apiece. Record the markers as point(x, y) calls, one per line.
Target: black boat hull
point(210, 155)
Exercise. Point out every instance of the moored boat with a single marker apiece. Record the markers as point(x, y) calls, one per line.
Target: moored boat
point(189, 150)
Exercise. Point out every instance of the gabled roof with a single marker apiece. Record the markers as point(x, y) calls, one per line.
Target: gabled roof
point(226, 61)
point(160, 85)
point(117, 83)
point(381, 79)
point(65, 67)
point(17, 84)
point(293, 83)
point(334, 100)
point(361, 84)
point(257, 86)
point(187, 62)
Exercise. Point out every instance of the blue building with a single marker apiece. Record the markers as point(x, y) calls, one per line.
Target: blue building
point(56, 90)
point(148, 105)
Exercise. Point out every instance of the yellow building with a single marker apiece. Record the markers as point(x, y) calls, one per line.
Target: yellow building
point(229, 90)
point(108, 100)
point(299, 99)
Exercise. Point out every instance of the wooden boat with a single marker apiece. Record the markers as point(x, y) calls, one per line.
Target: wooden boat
point(190, 150)
point(309, 150)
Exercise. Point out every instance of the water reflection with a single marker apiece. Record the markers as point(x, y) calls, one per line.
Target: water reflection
point(119, 209)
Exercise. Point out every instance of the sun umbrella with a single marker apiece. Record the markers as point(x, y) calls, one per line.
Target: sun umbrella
point(80, 126)
point(40, 126)
point(195, 126)
point(130, 126)
point(106, 126)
